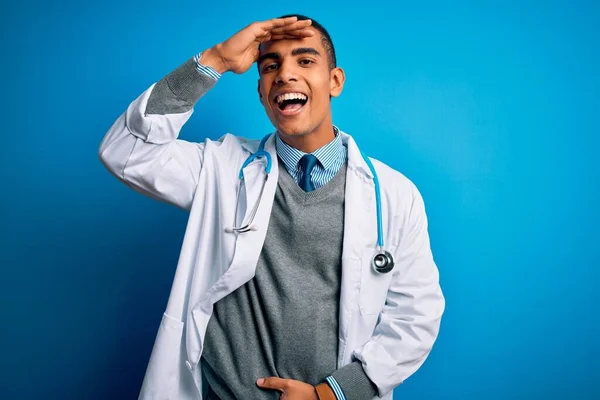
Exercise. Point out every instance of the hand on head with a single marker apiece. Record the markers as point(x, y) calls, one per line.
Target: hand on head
point(239, 52)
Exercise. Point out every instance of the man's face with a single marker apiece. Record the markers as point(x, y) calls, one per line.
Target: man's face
point(296, 82)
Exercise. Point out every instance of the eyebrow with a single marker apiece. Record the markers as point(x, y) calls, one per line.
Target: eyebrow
point(295, 52)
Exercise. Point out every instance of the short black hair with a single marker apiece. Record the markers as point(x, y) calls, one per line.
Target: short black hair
point(325, 38)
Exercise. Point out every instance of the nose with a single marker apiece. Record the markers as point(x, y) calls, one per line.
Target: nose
point(285, 74)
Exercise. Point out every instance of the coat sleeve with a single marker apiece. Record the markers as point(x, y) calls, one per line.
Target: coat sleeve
point(409, 323)
point(142, 148)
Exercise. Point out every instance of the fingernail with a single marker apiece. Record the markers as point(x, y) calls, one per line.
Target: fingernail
point(260, 381)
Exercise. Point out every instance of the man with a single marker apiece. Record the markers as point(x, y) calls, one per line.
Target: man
point(291, 303)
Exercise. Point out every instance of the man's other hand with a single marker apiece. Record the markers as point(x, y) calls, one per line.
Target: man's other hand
point(290, 389)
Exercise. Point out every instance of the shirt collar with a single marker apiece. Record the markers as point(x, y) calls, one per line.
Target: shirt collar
point(327, 155)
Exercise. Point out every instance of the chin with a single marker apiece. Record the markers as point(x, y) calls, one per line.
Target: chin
point(291, 130)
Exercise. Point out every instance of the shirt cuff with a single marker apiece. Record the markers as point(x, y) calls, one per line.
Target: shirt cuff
point(205, 69)
point(352, 383)
point(337, 390)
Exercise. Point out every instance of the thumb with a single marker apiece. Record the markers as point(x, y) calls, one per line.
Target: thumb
point(272, 382)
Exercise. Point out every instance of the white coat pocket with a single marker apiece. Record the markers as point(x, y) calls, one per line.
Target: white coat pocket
point(162, 375)
point(373, 285)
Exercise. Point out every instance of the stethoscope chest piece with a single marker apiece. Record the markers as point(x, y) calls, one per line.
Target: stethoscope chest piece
point(383, 262)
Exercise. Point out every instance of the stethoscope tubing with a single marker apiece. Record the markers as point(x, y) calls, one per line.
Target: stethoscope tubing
point(382, 261)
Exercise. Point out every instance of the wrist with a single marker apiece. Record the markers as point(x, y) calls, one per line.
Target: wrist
point(324, 392)
point(212, 58)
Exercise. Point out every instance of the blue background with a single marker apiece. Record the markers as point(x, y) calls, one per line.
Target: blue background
point(490, 108)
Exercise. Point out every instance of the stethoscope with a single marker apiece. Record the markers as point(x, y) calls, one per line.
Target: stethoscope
point(382, 262)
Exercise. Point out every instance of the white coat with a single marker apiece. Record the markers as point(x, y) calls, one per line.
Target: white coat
point(387, 321)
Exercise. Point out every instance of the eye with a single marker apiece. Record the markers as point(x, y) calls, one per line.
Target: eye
point(269, 67)
point(306, 61)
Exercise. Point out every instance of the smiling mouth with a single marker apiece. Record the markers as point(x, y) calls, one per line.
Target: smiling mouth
point(291, 103)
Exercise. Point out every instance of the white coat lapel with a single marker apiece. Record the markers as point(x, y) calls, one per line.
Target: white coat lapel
point(360, 231)
point(248, 245)
point(247, 248)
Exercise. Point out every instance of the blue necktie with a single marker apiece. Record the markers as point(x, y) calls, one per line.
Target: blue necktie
point(307, 163)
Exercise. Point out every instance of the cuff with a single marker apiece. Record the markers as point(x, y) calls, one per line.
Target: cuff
point(337, 390)
point(352, 383)
point(205, 69)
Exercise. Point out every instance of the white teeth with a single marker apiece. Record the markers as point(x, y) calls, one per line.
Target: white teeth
point(290, 96)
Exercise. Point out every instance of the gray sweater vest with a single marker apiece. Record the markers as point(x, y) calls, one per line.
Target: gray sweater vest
point(284, 322)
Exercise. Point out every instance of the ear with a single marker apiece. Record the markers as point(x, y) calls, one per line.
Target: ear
point(336, 81)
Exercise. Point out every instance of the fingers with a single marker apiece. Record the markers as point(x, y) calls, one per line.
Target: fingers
point(285, 22)
point(284, 25)
point(284, 36)
point(282, 28)
point(275, 22)
point(280, 37)
point(274, 383)
point(292, 27)
point(295, 34)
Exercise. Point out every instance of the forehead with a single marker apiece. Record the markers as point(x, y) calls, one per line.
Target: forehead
point(285, 46)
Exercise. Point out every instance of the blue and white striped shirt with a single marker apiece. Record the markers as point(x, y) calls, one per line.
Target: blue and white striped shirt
point(331, 158)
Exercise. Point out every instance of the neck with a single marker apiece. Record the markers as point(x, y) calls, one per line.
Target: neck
point(312, 141)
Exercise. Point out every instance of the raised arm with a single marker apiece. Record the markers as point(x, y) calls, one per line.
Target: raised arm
point(142, 148)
